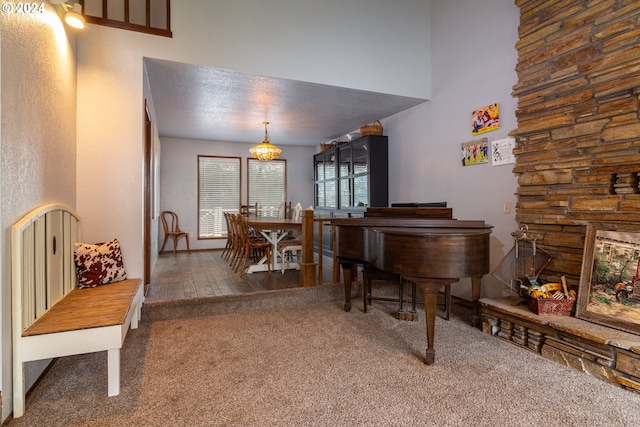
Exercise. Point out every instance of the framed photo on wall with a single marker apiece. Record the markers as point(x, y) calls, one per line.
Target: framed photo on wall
point(485, 119)
point(609, 291)
point(475, 152)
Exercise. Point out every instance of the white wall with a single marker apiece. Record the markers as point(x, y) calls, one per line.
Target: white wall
point(474, 58)
point(38, 108)
point(348, 43)
point(179, 180)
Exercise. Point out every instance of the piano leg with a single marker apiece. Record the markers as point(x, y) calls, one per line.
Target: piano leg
point(430, 304)
point(430, 289)
point(476, 287)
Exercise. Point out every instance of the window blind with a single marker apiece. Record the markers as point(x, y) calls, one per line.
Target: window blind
point(266, 185)
point(218, 192)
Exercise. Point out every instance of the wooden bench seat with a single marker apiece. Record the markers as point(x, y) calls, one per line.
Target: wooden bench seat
point(100, 307)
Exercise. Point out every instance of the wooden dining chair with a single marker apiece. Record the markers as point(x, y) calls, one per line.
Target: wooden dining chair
point(237, 248)
point(247, 210)
point(254, 248)
point(291, 245)
point(226, 252)
point(289, 248)
point(284, 212)
point(297, 212)
point(172, 230)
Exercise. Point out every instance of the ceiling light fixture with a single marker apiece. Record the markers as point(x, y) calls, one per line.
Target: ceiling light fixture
point(265, 150)
point(72, 13)
point(74, 17)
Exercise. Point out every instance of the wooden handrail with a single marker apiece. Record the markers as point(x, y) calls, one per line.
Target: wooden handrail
point(308, 265)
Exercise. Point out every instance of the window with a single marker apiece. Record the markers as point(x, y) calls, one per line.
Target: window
point(266, 185)
point(218, 192)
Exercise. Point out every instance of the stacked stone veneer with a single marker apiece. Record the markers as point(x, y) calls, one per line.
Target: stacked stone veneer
point(608, 354)
point(578, 135)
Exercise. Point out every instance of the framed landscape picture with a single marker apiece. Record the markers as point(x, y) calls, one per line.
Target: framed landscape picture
point(609, 291)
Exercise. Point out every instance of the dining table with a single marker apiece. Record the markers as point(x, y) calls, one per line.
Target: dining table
point(274, 230)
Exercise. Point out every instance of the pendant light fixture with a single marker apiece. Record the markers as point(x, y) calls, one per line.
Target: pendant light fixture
point(265, 150)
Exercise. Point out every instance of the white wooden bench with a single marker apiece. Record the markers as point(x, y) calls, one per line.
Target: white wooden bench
point(51, 316)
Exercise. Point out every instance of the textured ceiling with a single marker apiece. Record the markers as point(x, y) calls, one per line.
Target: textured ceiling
point(207, 103)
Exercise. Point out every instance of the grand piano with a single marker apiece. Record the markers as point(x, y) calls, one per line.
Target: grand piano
point(430, 252)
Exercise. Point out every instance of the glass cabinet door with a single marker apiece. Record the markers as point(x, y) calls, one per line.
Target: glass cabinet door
point(325, 165)
point(345, 193)
point(320, 194)
point(330, 165)
point(319, 168)
point(361, 190)
point(360, 158)
point(330, 194)
point(345, 161)
point(360, 175)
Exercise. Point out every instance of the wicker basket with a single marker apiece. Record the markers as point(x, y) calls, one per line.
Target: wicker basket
point(373, 129)
point(552, 307)
point(327, 146)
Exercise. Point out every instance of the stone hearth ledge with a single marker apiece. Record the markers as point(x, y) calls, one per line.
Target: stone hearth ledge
point(581, 328)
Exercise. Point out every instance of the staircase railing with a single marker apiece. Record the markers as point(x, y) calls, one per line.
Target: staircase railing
point(127, 15)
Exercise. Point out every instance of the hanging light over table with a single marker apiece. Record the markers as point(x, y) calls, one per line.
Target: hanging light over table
point(265, 150)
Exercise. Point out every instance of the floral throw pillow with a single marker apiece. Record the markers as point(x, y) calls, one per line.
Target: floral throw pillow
point(99, 264)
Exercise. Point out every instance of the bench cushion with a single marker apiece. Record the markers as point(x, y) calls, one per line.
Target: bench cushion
point(87, 308)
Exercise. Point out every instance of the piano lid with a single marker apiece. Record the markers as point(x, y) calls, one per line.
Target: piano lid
point(409, 222)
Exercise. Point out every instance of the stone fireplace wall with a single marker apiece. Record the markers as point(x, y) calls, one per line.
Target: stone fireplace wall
point(578, 135)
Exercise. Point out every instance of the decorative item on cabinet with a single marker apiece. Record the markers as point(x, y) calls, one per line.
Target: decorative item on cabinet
point(372, 129)
point(329, 145)
point(326, 146)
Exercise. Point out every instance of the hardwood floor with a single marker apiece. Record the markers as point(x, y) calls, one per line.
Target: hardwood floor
point(207, 274)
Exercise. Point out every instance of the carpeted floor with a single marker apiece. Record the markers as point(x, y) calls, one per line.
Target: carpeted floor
point(315, 365)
